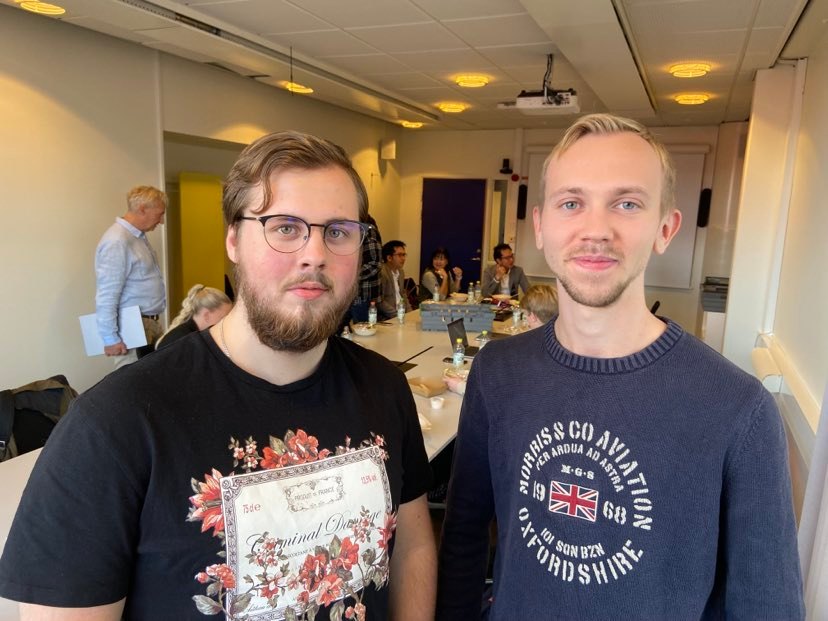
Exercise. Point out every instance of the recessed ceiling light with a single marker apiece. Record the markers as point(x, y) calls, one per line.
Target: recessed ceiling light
point(293, 87)
point(691, 99)
point(690, 70)
point(452, 107)
point(471, 80)
point(44, 8)
point(411, 124)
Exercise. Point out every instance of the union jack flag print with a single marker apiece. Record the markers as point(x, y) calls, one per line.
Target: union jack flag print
point(573, 500)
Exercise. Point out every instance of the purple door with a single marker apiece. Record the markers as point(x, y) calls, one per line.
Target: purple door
point(453, 215)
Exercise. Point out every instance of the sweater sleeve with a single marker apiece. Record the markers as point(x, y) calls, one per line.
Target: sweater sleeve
point(470, 509)
point(757, 539)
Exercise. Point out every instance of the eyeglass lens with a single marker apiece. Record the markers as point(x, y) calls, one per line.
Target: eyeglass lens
point(290, 234)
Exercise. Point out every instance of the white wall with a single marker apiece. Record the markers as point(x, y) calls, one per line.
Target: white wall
point(83, 120)
point(79, 128)
point(800, 322)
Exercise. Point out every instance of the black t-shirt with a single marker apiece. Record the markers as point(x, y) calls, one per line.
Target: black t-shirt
point(126, 498)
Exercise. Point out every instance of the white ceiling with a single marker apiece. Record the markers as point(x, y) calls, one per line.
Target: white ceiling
point(395, 59)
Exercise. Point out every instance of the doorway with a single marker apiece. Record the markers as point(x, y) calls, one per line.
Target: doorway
point(454, 213)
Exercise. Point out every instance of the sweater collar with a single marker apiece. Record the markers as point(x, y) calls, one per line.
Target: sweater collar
point(637, 360)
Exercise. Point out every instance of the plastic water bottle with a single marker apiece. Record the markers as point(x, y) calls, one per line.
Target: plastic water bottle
point(470, 299)
point(372, 314)
point(401, 310)
point(436, 294)
point(459, 354)
point(478, 293)
point(516, 313)
point(483, 338)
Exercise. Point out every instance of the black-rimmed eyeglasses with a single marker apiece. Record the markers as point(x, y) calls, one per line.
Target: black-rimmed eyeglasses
point(291, 233)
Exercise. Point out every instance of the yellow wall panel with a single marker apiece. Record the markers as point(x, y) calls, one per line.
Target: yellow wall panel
point(202, 233)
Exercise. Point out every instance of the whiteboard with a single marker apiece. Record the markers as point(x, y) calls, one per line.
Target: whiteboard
point(673, 268)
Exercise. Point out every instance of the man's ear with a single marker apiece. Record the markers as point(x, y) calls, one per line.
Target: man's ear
point(536, 220)
point(670, 225)
point(231, 243)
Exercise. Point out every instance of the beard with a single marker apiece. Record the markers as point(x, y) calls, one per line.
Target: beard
point(596, 296)
point(301, 330)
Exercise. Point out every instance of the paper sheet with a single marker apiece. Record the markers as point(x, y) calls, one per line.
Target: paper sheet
point(132, 330)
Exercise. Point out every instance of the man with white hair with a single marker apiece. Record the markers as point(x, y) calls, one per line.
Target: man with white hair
point(127, 274)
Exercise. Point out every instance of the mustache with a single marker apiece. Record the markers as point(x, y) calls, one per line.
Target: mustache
point(603, 250)
point(316, 277)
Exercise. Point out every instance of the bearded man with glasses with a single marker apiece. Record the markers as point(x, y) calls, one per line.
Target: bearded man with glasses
point(261, 466)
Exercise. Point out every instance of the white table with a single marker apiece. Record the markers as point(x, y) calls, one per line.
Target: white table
point(399, 342)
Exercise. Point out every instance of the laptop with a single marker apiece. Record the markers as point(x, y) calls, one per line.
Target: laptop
point(457, 330)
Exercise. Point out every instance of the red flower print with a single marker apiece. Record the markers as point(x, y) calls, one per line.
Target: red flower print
point(349, 612)
point(387, 531)
point(202, 577)
point(271, 458)
point(312, 571)
point(303, 598)
point(206, 505)
point(359, 609)
point(348, 555)
point(223, 574)
point(329, 590)
point(302, 444)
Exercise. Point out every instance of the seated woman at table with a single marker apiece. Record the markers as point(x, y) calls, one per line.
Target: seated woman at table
point(540, 303)
point(203, 307)
point(438, 274)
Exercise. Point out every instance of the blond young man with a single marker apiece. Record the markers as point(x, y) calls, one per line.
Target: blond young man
point(634, 472)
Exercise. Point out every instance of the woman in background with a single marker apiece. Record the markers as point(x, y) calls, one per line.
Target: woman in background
point(439, 275)
point(202, 308)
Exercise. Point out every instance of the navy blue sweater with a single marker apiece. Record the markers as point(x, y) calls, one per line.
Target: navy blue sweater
point(653, 486)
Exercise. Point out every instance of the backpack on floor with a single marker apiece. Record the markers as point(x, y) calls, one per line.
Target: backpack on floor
point(29, 413)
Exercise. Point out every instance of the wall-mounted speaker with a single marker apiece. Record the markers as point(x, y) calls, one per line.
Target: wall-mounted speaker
point(506, 169)
point(523, 191)
point(388, 149)
point(704, 208)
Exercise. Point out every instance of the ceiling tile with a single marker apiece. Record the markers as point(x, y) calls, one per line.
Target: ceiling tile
point(459, 9)
point(672, 17)
point(362, 13)
point(447, 60)
point(659, 47)
point(263, 16)
point(519, 55)
point(778, 13)
point(767, 41)
point(367, 64)
point(404, 80)
point(502, 30)
point(322, 43)
point(409, 38)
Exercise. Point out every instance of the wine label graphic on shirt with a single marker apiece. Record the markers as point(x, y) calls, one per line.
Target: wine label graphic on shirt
point(275, 520)
point(588, 510)
point(304, 528)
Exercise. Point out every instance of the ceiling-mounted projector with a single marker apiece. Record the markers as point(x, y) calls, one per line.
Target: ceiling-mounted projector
point(546, 101)
point(538, 103)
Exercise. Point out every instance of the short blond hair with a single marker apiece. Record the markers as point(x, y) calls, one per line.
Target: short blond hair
point(542, 300)
point(607, 124)
point(145, 195)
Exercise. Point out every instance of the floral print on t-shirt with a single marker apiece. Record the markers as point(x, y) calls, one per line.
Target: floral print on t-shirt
point(323, 576)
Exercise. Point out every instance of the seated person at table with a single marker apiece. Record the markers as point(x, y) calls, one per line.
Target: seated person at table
point(439, 275)
point(504, 276)
point(392, 276)
point(540, 304)
point(203, 307)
